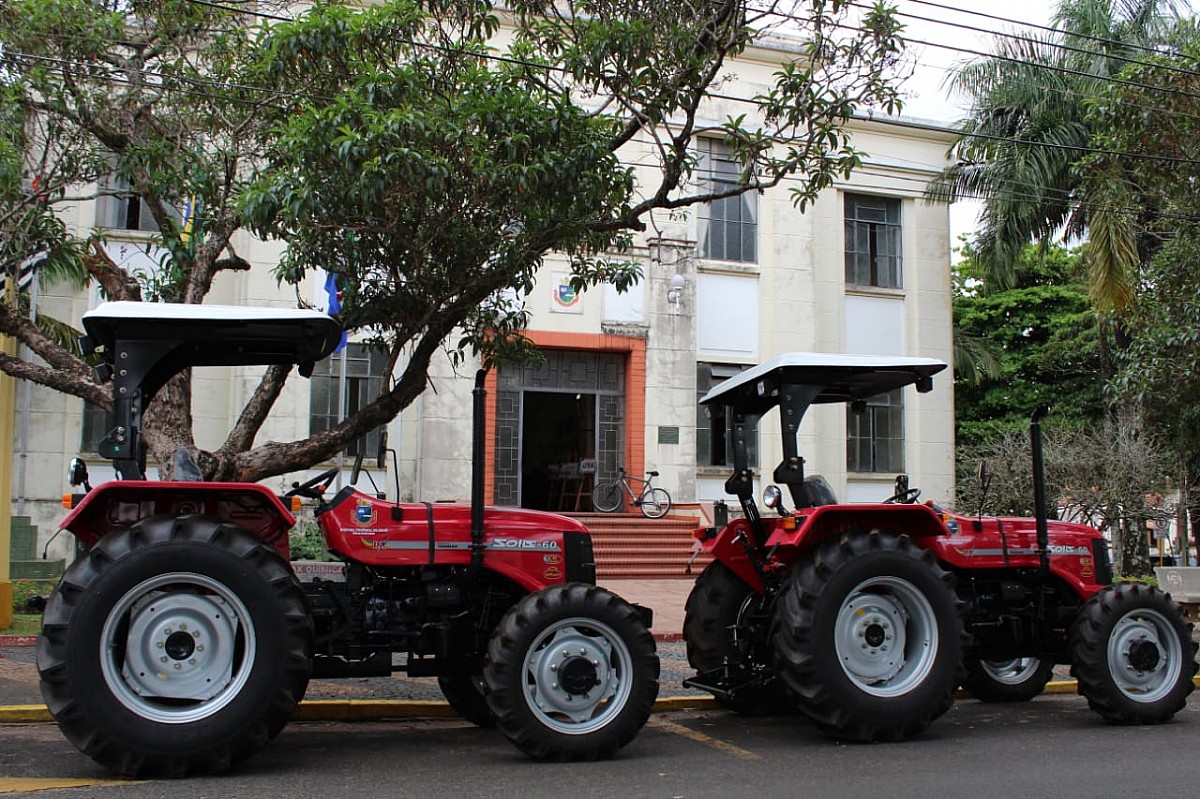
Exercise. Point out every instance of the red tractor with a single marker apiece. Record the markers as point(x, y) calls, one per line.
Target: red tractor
point(867, 617)
point(181, 640)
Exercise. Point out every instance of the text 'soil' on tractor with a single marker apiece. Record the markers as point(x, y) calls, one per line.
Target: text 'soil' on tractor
point(181, 640)
point(867, 617)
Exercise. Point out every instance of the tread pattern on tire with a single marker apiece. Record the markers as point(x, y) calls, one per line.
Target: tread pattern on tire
point(802, 656)
point(1088, 645)
point(113, 552)
point(506, 654)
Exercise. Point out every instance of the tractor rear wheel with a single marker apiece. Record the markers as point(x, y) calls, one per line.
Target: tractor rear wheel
point(178, 645)
point(1133, 655)
point(572, 673)
point(1015, 680)
point(867, 635)
point(719, 632)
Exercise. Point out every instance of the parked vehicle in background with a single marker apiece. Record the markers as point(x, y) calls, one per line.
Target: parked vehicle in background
point(867, 616)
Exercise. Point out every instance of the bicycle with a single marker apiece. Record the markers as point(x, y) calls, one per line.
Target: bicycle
point(653, 502)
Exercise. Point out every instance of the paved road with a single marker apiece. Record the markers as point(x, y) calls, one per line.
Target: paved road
point(1051, 747)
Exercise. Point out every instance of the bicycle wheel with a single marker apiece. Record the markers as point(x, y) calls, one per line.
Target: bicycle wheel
point(606, 497)
point(656, 503)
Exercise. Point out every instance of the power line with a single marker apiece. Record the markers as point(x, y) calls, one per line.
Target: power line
point(1036, 26)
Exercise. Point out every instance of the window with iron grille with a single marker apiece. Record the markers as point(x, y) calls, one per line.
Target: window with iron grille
point(729, 226)
point(873, 241)
point(363, 382)
point(875, 440)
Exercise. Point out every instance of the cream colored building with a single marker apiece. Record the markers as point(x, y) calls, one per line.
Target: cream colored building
point(864, 270)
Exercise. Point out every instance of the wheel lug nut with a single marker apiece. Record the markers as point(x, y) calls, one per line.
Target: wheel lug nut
point(553, 667)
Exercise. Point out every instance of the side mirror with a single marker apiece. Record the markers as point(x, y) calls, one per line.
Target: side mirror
point(356, 471)
point(77, 473)
point(773, 498)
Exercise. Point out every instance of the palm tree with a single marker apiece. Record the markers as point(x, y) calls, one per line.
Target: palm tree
point(1027, 130)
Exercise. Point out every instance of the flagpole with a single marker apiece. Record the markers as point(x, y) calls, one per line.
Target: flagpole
point(8, 345)
point(26, 401)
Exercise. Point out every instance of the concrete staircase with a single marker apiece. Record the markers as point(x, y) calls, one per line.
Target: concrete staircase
point(24, 563)
point(632, 547)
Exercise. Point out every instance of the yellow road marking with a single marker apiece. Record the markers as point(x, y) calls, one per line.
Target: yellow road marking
point(26, 784)
point(699, 737)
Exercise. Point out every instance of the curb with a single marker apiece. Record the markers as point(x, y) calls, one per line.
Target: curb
point(364, 709)
point(18, 640)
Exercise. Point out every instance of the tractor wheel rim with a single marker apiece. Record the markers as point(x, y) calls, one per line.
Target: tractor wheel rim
point(886, 636)
point(577, 676)
point(1144, 655)
point(177, 648)
point(1010, 672)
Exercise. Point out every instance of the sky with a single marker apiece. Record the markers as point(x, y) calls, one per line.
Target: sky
point(926, 97)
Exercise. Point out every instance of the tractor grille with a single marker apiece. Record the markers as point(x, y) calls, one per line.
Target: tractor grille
point(1104, 573)
point(581, 563)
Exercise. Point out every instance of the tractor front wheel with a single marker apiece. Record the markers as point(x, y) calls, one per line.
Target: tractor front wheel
point(1015, 680)
point(178, 645)
point(867, 635)
point(572, 673)
point(1133, 655)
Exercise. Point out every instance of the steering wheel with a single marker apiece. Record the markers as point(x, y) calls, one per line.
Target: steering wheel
point(906, 497)
point(313, 488)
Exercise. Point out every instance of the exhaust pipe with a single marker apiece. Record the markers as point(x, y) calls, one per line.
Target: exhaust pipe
point(1039, 487)
point(478, 423)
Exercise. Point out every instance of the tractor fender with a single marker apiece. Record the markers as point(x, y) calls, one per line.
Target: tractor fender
point(789, 537)
point(119, 503)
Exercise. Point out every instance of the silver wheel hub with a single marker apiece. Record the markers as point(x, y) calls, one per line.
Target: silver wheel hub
point(1010, 672)
point(577, 676)
point(1144, 656)
point(177, 648)
point(886, 636)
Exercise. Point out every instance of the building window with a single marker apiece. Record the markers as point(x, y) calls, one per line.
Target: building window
point(714, 429)
point(875, 441)
point(97, 423)
point(873, 241)
point(728, 227)
point(121, 209)
point(363, 383)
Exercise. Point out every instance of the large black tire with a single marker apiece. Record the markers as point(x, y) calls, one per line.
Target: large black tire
point(1016, 680)
point(178, 645)
point(868, 636)
point(465, 693)
point(1132, 654)
point(572, 673)
point(718, 633)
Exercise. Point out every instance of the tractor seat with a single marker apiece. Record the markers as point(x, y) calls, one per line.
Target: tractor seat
point(817, 491)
